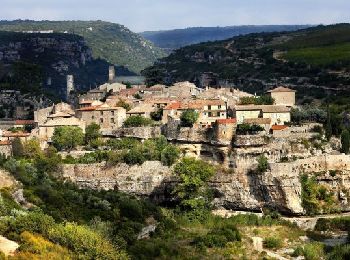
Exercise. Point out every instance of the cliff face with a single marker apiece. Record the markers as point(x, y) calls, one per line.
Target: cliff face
point(49, 57)
point(278, 188)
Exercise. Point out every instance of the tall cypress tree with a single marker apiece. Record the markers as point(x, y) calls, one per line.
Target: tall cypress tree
point(345, 141)
point(328, 124)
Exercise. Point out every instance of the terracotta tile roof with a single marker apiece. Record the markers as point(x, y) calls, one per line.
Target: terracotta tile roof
point(195, 104)
point(90, 108)
point(258, 121)
point(86, 102)
point(24, 122)
point(281, 89)
point(263, 108)
point(19, 134)
point(278, 127)
point(5, 142)
point(175, 105)
point(227, 121)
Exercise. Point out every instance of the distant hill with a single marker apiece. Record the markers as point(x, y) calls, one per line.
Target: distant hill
point(315, 61)
point(39, 62)
point(174, 39)
point(112, 42)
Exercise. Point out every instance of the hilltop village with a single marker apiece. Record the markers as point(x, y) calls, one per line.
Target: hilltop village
point(236, 131)
point(159, 106)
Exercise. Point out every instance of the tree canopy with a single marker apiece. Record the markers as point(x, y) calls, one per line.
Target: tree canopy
point(67, 137)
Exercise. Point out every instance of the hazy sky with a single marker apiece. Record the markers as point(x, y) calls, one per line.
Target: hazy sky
point(141, 15)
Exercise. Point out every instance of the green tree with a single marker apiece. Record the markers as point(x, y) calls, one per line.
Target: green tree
point(32, 148)
point(263, 164)
point(137, 121)
point(17, 148)
point(92, 134)
point(170, 155)
point(192, 190)
point(189, 117)
point(345, 141)
point(67, 137)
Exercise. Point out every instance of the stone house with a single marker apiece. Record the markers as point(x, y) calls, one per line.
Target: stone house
point(106, 116)
point(279, 115)
point(209, 110)
point(283, 96)
point(144, 110)
point(47, 119)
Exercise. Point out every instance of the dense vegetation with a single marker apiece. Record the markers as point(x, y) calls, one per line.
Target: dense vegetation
point(314, 61)
point(112, 42)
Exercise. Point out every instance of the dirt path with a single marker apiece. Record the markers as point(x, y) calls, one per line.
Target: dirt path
point(8, 247)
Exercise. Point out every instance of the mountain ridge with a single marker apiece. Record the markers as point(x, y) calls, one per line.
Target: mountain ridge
point(176, 38)
point(110, 41)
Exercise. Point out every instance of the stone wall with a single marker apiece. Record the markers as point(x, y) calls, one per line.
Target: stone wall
point(136, 132)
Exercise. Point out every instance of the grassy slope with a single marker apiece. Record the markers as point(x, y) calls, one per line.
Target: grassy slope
point(320, 46)
point(112, 42)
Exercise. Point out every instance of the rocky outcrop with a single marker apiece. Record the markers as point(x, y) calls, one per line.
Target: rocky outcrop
point(6, 179)
point(278, 188)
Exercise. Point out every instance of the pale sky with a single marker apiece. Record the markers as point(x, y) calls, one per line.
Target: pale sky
point(142, 15)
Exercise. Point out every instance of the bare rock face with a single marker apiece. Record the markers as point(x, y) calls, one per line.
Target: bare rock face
point(140, 180)
point(6, 180)
point(152, 179)
point(278, 188)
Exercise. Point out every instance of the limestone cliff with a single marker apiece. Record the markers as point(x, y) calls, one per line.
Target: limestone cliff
point(278, 188)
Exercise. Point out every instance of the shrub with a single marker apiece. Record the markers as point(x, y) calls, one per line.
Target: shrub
point(84, 242)
point(37, 247)
point(273, 242)
point(170, 155)
point(218, 237)
point(137, 121)
point(189, 117)
point(247, 129)
point(311, 251)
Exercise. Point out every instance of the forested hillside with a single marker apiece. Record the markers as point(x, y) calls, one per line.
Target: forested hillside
point(315, 61)
point(112, 42)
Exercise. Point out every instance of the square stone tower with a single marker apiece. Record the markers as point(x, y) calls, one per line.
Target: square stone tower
point(70, 85)
point(111, 74)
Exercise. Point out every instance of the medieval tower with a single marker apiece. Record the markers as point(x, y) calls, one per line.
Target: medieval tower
point(111, 75)
point(70, 86)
